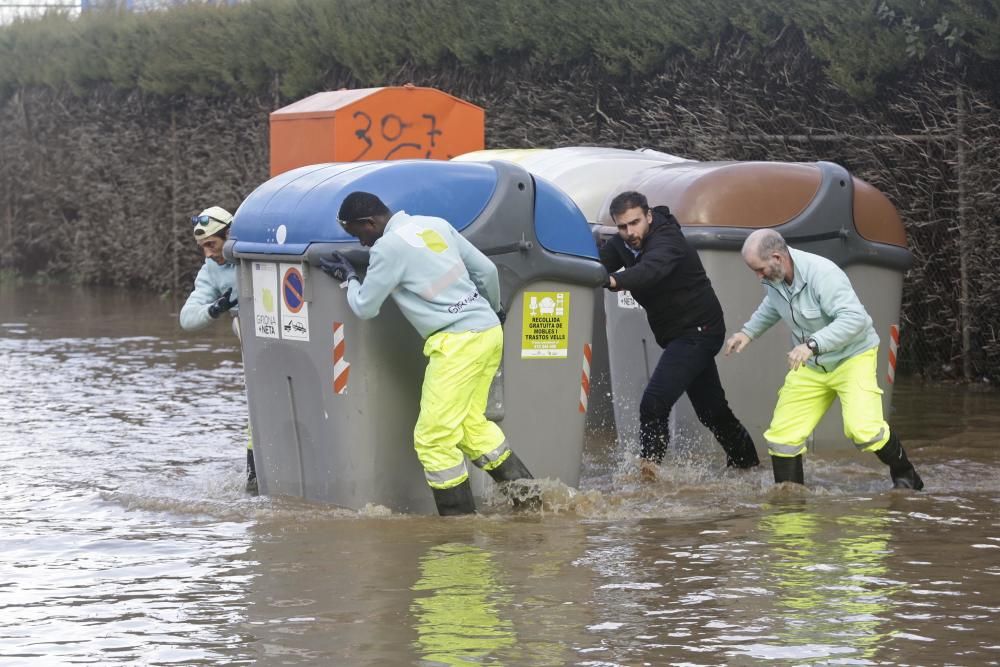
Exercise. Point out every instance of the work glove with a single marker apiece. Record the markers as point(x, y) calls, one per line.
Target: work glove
point(222, 304)
point(338, 267)
point(502, 315)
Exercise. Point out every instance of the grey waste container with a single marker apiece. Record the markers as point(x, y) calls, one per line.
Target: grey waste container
point(587, 174)
point(333, 399)
point(817, 207)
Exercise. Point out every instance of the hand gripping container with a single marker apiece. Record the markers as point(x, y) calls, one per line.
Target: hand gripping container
point(333, 399)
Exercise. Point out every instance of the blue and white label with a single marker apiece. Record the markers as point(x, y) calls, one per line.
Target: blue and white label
point(294, 308)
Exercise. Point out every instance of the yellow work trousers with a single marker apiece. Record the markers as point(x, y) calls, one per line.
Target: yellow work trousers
point(807, 394)
point(452, 422)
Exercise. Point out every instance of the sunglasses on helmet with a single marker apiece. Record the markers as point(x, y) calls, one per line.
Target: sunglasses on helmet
point(203, 220)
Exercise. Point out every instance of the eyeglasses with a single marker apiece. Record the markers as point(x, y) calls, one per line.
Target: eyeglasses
point(344, 223)
point(203, 220)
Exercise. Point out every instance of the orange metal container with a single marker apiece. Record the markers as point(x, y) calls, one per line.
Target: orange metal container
point(394, 123)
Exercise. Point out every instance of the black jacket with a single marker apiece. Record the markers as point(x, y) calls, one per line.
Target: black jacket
point(667, 279)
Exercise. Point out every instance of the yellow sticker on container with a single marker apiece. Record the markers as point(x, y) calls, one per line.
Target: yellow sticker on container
point(545, 328)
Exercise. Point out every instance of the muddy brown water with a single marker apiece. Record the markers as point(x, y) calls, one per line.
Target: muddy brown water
point(126, 537)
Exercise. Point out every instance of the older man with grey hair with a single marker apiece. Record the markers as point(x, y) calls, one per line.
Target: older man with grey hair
point(834, 355)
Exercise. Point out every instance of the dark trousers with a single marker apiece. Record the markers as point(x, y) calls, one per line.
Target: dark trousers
point(688, 365)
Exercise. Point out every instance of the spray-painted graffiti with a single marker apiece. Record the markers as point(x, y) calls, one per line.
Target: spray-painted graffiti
point(391, 136)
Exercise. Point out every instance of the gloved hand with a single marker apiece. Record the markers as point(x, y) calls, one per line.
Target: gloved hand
point(502, 315)
point(222, 304)
point(338, 267)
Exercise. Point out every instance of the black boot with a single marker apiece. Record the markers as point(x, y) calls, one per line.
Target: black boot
point(787, 469)
point(251, 474)
point(510, 470)
point(521, 496)
point(904, 476)
point(456, 500)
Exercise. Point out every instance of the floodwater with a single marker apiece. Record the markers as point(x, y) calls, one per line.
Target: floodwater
point(126, 536)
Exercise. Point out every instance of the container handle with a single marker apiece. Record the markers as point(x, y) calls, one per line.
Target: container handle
point(523, 245)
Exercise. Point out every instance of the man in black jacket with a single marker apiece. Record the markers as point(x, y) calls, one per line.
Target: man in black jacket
point(664, 274)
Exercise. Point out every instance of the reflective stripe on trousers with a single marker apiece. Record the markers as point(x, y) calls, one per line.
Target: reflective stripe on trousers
point(452, 422)
point(491, 460)
point(807, 394)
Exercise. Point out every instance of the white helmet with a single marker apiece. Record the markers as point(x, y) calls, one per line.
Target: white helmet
point(210, 222)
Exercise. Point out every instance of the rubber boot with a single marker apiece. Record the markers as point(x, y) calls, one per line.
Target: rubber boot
point(787, 469)
point(512, 470)
point(251, 474)
point(455, 501)
point(904, 476)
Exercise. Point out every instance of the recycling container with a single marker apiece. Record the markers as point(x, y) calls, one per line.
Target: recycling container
point(333, 399)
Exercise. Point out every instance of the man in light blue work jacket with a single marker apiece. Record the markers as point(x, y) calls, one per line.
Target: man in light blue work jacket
point(215, 290)
point(450, 292)
point(834, 355)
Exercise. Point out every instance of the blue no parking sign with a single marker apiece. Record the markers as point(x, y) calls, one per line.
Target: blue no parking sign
point(292, 288)
point(294, 309)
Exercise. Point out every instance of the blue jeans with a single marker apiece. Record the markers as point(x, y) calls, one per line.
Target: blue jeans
point(688, 365)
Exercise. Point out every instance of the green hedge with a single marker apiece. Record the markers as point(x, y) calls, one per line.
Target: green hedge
point(294, 47)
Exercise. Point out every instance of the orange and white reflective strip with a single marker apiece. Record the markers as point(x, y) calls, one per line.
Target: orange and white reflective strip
point(585, 378)
point(341, 369)
point(893, 347)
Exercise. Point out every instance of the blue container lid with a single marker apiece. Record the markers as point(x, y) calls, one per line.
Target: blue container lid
point(559, 224)
point(299, 207)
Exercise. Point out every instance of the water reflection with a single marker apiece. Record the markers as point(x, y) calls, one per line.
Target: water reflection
point(392, 590)
point(832, 594)
point(457, 619)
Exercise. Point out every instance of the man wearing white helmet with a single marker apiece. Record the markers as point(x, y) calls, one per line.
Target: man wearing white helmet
point(215, 288)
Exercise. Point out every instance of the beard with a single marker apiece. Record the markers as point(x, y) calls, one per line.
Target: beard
point(776, 272)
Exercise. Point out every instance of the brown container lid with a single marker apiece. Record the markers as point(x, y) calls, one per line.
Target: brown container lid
point(875, 218)
point(731, 194)
point(756, 194)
